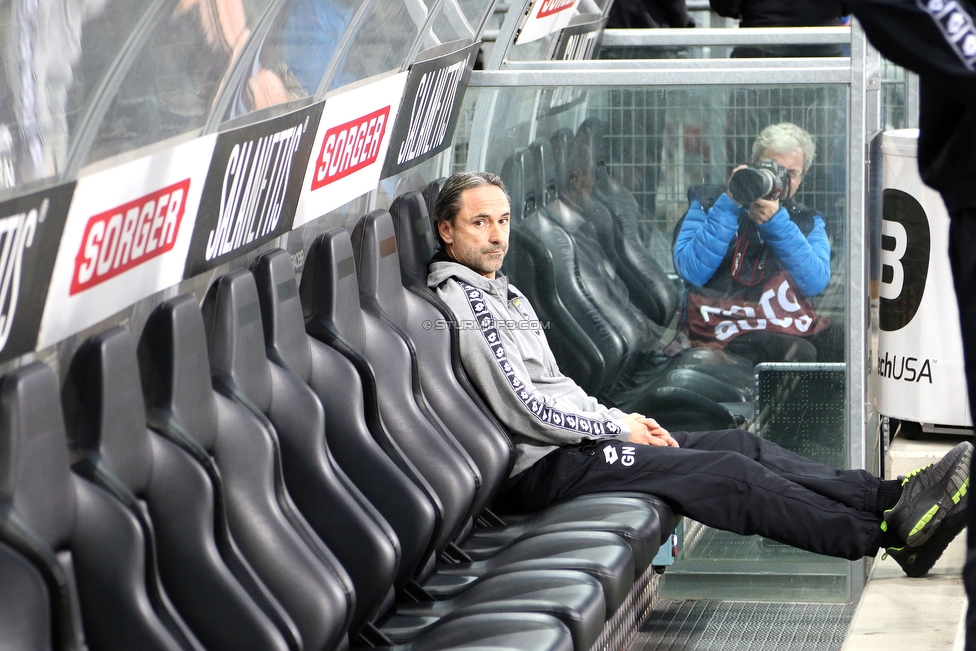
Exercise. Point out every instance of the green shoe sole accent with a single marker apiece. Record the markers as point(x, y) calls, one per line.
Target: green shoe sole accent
point(961, 492)
point(924, 520)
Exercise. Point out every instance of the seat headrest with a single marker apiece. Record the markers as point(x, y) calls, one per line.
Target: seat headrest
point(415, 236)
point(591, 137)
point(176, 368)
point(104, 409)
point(378, 264)
point(330, 288)
point(235, 335)
point(34, 468)
point(431, 191)
point(281, 311)
point(545, 169)
point(562, 144)
point(520, 178)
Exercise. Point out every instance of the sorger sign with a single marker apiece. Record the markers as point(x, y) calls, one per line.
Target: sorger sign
point(550, 7)
point(350, 145)
point(126, 236)
point(544, 18)
point(121, 238)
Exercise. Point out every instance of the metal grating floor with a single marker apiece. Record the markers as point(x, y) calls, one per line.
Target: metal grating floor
point(743, 626)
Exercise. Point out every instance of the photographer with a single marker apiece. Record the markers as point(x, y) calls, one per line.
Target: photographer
point(752, 260)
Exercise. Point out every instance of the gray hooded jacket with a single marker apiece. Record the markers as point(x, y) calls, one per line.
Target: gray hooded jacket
point(505, 352)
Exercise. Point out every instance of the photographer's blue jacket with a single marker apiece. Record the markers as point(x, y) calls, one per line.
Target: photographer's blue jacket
point(705, 238)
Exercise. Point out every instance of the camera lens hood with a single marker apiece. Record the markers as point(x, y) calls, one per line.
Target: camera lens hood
point(749, 184)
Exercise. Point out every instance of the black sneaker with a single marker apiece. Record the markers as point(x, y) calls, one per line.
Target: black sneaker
point(929, 496)
point(917, 561)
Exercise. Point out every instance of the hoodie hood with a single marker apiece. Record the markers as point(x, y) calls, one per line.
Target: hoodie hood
point(443, 268)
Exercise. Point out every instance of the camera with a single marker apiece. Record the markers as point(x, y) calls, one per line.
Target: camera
point(767, 180)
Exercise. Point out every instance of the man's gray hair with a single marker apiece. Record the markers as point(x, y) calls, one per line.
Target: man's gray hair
point(448, 203)
point(784, 138)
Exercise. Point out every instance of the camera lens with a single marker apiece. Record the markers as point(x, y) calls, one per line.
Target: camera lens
point(749, 184)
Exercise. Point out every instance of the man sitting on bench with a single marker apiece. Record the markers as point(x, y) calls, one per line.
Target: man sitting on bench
point(569, 444)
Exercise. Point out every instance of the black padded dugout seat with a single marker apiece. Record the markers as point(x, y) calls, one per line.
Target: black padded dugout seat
point(495, 632)
point(341, 516)
point(330, 295)
point(242, 458)
point(650, 289)
point(382, 291)
point(406, 507)
point(531, 221)
point(598, 272)
point(430, 193)
point(88, 547)
point(288, 413)
point(25, 607)
point(638, 268)
point(107, 434)
point(294, 412)
point(227, 468)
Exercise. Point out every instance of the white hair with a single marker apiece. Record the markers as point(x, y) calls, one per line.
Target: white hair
point(784, 138)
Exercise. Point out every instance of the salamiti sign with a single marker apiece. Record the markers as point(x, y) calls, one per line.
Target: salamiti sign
point(252, 188)
point(577, 42)
point(30, 228)
point(125, 238)
point(350, 146)
point(545, 17)
point(430, 108)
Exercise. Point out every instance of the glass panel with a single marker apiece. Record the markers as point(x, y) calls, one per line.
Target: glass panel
point(171, 86)
point(55, 56)
point(894, 96)
point(382, 40)
point(457, 19)
point(536, 50)
point(474, 10)
point(623, 164)
point(449, 25)
point(295, 54)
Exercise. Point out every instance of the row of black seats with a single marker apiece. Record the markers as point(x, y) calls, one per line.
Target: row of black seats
point(578, 256)
point(230, 482)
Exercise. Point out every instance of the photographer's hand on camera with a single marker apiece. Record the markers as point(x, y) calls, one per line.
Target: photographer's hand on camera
point(762, 210)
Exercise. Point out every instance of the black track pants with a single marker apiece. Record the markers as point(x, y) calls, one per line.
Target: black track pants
point(728, 479)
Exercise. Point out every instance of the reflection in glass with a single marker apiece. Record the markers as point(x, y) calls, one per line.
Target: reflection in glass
point(54, 57)
point(295, 54)
point(473, 10)
point(172, 84)
point(382, 41)
point(457, 20)
point(623, 161)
